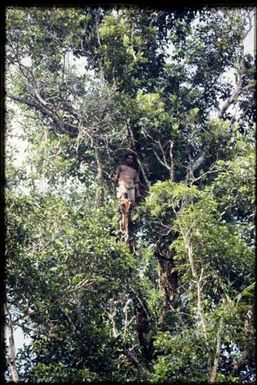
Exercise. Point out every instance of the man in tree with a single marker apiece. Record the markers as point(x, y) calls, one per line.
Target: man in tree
point(127, 178)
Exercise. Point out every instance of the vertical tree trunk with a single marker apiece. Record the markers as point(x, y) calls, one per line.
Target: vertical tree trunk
point(143, 325)
point(12, 353)
point(171, 161)
point(134, 147)
point(130, 136)
point(126, 225)
point(168, 281)
point(99, 179)
point(213, 370)
point(198, 281)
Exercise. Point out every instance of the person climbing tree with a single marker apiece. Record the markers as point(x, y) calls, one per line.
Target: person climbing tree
point(127, 179)
point(128, 191)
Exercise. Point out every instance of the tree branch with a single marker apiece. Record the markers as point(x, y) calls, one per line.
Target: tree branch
point(197, 163)
point(12, 354)
point(213, 370)
point(232, 98)
point(194, 165)
point(67, 128)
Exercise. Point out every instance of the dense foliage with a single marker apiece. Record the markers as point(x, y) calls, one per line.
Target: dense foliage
point(176, 89)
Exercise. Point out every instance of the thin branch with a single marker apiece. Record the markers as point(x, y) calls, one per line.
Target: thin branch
point(163, 153)
point(131, 138)
point(197, 163)
point(67, 128)
point(197, 281)
point(133, 359)
point(206, 173)
point(232, 98)
point(171, 160)
point(241, 71)
point(162, 162)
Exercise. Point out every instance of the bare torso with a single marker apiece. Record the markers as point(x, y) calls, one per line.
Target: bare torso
point(128, 176)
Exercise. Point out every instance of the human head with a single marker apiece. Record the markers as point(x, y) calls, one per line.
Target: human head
point(129, 159)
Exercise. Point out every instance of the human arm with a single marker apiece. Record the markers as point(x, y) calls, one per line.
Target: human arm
point(115, 178)
point(137, 185)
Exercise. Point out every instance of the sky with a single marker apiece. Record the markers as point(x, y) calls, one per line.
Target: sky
point(250, 41)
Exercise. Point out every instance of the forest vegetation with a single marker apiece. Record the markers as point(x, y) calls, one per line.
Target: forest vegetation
point(175, 88)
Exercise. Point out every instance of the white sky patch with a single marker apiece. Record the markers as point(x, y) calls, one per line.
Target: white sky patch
point(26, 61)
point(114, 13)
point(249, 42)
point(20, 338)
point(16, 137)
point(80, 65)
point(77, 64)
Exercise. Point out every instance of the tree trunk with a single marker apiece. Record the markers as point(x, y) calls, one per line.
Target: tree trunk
point(213, 370)
point(11, 360)
point(143, 325)
point(168, 282)
point(99, 179)
point(130, 136)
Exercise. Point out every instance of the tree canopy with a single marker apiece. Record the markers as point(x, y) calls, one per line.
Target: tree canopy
point(176, 89)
